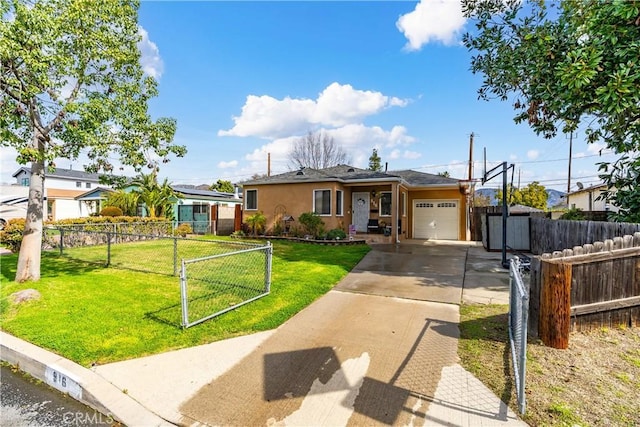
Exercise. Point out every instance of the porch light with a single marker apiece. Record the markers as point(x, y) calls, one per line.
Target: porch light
point(373, 193)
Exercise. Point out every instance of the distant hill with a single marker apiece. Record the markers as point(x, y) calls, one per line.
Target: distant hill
point(554, 199)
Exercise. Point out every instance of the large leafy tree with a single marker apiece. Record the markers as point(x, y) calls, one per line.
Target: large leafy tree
point(316, 150)
point(564, 64)
point(71, 83)
point(223, 186)
point(534, 195)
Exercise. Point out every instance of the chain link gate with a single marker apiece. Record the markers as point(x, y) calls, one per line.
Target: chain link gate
point(518, 322)
point(216, 284)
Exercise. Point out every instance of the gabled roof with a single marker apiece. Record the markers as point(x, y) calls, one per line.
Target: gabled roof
point(60, 173)
point(206, 194)
point(590, 189)
point(346, 174)
point(97, 193)
point(523, 209)
point(421, 179)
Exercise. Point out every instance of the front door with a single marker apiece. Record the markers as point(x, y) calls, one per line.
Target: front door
point(360, 205)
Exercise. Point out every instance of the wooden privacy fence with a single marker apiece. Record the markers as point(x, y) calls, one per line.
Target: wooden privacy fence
point(587, 287)
point(549, 235)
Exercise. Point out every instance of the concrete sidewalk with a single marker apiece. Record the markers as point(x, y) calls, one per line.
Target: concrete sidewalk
point(363, 354)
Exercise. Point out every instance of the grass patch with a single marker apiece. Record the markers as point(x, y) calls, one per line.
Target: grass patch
point(563, 415)
point(91, 314)
point(594, 382)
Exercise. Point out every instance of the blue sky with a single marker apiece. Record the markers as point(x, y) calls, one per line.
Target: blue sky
point(244, 79)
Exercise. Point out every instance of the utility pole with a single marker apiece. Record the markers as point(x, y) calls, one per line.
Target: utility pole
point(471, 192)
point(570, 155)
point(470, 157)
point(268, 164)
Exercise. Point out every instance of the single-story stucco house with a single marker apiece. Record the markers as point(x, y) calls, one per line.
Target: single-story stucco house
point(588, 199)
point(420, 205)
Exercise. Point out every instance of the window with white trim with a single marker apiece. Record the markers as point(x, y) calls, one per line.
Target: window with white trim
point(322, 202)
point(251, 200)
point(385, 203)
point(339, 202)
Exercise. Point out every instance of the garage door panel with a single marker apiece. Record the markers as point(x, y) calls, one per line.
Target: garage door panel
point(435, 219)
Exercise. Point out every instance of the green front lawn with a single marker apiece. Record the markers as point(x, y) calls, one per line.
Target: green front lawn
point(92, 314)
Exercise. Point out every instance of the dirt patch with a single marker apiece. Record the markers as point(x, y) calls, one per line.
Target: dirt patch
point(595, 382)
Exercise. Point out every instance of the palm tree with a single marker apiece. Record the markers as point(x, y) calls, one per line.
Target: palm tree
point(257, 222)
point(156, 197)
point(127, 202)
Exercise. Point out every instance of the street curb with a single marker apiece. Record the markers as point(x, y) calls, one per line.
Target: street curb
point(80, 383)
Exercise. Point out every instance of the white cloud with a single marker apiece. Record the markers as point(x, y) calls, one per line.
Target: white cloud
point(337, 105)
point(8, 164)
point(356, 139)
point(225, 165)
point(150, 59)
point(513, 157)
point(432, 20)
point(597, 147)
point(399, 154)
point(411, 155)
point(532, 154)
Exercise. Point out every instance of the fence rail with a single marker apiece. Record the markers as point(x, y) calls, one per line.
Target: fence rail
point(154, 253)
point(518, 322)
point(556, 235)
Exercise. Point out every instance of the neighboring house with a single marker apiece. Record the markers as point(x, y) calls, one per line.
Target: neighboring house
point(421, 205)
point(63, 186)
point(207, 211)
point(586, 199)
point(93, 200)
point(13, 203)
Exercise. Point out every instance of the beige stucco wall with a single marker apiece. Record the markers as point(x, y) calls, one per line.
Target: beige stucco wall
point(440, 195)
point(587, 201)
point(295, 199)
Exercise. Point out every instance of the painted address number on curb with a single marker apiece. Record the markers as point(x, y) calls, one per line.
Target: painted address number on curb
point(63, 382)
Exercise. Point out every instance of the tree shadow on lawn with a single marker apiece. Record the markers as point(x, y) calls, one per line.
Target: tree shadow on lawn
point(51, 265)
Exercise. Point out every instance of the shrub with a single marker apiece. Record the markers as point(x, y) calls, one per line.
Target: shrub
point(574, 214)
point(336, 234)
point(257, 222)
point(277, 229)
point(312, 224)
point(182, 230)
point(238, 233)
point(111, 211)
point(11, 235)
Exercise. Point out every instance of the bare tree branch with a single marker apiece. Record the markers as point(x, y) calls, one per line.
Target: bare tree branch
point(316, 150)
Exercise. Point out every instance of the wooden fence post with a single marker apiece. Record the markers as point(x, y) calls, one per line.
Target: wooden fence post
point(555, 304)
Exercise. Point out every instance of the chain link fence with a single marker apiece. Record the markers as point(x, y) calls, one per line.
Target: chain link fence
point(145, 248)
point(213, 285)
point(215, 276)
point(518, 321)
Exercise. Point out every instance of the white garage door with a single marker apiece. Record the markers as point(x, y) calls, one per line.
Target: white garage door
point(435, 219)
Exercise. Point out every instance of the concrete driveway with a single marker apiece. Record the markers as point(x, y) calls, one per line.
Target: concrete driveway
point(425, 271)
point(379, 349)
